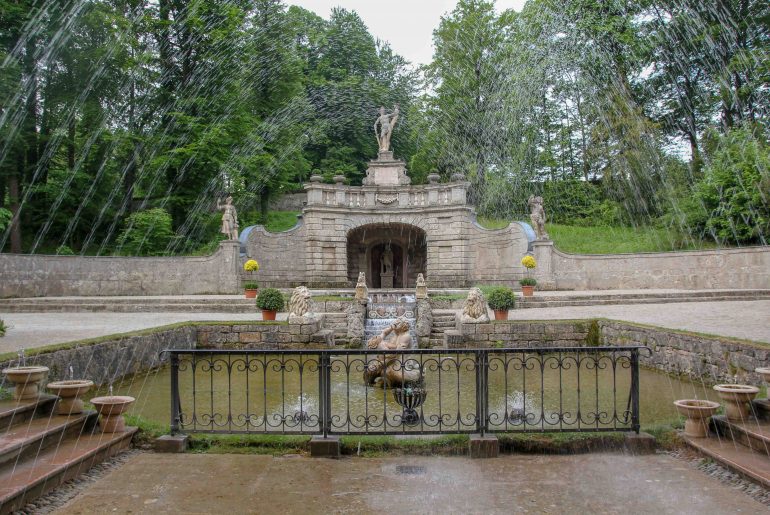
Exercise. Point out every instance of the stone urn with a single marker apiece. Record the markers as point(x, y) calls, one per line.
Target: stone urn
point(111, 408)
point(26, 380)
point(764, 372)
point(737, 398)
point(697, 412)
point(70, 393)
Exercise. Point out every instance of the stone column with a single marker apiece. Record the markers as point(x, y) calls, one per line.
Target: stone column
point(356, 318)
point(424, 319)
point(543, 253)
point(230, 267)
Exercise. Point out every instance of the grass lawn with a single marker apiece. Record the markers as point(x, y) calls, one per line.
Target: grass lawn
point(279, 221)
point(608, 240)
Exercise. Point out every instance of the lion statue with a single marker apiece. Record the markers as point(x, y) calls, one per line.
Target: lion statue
point(299, 305)
point(475, 308)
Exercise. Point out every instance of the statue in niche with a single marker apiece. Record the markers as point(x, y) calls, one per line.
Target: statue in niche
point(392, 369)
point(537, 216)
point(386, 122)
point(386, 261)
point(475, 308)
point(229, 218)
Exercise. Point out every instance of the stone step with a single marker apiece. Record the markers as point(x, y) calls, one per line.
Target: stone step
point(752, 433)
point(742, 460)
point(442, 324)
point(30, 438)
point(761, 408)
point(32, 478)
point(579, 301)
point(14, 412)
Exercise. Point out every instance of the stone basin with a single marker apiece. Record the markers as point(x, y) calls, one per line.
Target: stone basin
point(26, 380)
point(111, 407)
point(764, 372)
point(697, 412)
point(737, 398)
point(70, 393)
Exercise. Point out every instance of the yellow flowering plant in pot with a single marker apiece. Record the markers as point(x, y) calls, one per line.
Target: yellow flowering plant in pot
point(528, 283)
point(250, 288)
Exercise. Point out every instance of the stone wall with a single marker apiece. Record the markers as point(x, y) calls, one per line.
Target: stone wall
point(744, 268)
point(515, 333)
point(281, 256)
point(279, 336)
point(35, 275)
point(496, 254)
point(108, 361)
point(698, 357)
point(289, 202)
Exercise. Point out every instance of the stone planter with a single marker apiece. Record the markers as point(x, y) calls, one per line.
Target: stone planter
point(70, 393)
point(111, 409)
point(528, 291)
point(737, 398)
point(26, 380)
point(765, 373)
point(697, 413)
point(268, 314)
point(501, 314)
point(250, 294)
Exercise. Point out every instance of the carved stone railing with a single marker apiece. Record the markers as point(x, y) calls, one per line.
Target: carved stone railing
point(382, 197)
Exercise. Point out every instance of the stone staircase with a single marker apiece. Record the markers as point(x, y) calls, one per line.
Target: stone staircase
point(544, 300)
point(443, 319)
point(743, 447)
point(338, 323)
point(40, 450)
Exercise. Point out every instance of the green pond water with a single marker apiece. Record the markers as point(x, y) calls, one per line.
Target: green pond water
point(268, 393)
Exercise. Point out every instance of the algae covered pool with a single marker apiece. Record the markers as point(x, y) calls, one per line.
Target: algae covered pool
point(282, 397)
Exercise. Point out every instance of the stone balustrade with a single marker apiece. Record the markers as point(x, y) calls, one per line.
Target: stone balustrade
point(381, 197)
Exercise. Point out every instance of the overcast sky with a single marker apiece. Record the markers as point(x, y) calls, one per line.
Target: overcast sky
point(407, 24)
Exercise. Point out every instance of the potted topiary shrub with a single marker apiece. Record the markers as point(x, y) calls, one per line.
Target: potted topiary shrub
point(528, 286)
point(250, 289)
point(501, 299)
point(528, 283)
point(270, 301)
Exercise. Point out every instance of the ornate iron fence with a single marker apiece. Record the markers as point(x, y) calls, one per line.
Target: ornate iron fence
point(446, 391)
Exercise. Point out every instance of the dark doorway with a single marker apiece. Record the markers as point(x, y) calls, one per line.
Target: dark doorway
point(367, 243)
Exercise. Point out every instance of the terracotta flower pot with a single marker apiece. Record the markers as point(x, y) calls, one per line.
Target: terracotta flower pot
point(250, 294)
point(70, 393)
point(527, 291)
point(26, 380)
point(697, 413)
point(501, 314)
point(268, 314)
point(111, 409)
point(737, 398)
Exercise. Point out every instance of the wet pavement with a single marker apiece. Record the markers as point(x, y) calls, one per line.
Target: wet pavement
point(593, 483)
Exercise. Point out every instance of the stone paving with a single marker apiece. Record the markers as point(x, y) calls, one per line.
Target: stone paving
point(739, 319)
point(27, 330)
point(594, 483)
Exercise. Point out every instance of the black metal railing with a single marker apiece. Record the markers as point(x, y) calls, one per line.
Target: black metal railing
point(449, 391)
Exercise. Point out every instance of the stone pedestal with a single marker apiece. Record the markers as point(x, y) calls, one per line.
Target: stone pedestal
point(543, 254)
point(386, 171)
point(328, 447)
point(642, 443)
point(487, 446)
point(171, 443)
point(386, 280)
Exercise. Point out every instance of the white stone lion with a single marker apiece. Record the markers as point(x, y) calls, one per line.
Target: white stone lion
point(299, 305)
point(475, 308)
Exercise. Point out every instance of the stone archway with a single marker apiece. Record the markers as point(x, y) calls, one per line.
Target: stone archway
point(366, 245)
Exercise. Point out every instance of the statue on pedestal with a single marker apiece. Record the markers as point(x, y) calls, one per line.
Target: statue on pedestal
point(537, 216)
point(362, 292)
point(299, 306)
point(475, 308)
point(229, 218)
point(386, 122)
point(422, 288)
